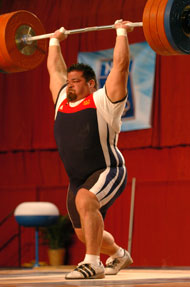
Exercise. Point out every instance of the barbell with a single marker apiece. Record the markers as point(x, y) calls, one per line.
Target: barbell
point(166, 26)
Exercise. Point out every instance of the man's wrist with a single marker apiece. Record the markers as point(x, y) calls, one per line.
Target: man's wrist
point(121, 32)
point(54, 42)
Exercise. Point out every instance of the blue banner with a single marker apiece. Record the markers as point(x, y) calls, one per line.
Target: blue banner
point(138, 110)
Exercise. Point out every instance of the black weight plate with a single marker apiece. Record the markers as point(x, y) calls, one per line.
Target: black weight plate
point(177, 25)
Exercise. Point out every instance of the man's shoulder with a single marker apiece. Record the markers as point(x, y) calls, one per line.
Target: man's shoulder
point(99, 94)
point(99, 91)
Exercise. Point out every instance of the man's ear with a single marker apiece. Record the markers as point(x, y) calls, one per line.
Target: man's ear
point(91, 83)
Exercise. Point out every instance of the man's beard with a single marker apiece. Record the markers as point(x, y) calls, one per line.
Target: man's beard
point(71, 96)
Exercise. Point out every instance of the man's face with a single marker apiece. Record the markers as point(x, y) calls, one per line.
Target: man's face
point(77, 87)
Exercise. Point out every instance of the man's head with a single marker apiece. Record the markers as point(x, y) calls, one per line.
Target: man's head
point(81, 81)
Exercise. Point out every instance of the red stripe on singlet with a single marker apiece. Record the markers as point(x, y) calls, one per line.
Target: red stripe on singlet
point(87, 103)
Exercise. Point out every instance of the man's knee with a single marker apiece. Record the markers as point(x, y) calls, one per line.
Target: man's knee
point(86, 201)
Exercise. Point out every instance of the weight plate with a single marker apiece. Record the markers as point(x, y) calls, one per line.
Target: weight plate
point(15, 56)
point(161, 28)
point(177, 24)
point(146, 25)
point(154, 29)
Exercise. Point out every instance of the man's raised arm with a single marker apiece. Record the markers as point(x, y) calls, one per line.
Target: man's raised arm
point(55, 63)
point(116, 83)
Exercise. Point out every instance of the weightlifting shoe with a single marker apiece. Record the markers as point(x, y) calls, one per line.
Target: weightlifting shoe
point(86, 271)
point(114, 265)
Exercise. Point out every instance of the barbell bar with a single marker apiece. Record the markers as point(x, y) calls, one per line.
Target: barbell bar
point(28, 39)
point(166, 26)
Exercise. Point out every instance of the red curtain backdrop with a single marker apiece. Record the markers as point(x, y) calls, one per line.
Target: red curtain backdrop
point(26, 109)
point(159, 158)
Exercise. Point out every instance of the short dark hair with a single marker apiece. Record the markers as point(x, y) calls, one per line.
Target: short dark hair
point(88, 72)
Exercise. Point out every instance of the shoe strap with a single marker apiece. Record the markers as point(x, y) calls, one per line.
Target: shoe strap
point(86, 270)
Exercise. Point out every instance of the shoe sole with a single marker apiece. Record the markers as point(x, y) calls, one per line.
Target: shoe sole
point(127, 263)
point(97, 276)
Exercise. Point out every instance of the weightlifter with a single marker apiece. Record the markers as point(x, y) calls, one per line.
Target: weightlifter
point(87, 125)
